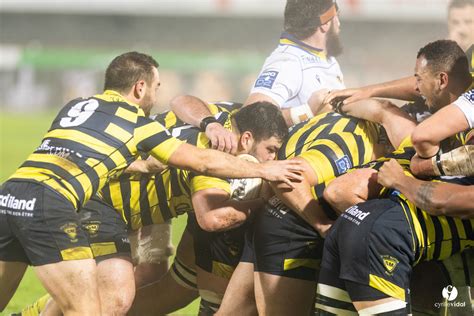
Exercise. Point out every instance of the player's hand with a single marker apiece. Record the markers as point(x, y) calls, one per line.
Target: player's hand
point(347, 96)
point(390, 174)
point(286, 171)
point(221, 138)
point(318, 102)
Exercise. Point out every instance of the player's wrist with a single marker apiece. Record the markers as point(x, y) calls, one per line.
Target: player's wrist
point(301, 113)
point(207, 121)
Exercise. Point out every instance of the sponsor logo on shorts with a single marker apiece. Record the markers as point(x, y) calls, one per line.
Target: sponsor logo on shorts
point(13, 203)
point(266, 79)
point(278, 208)
point(343, 164)
point(390, 263)
point(71, 231)
point(355, 215)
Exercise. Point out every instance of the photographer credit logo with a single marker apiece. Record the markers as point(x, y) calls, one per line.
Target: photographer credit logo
point(450, 293)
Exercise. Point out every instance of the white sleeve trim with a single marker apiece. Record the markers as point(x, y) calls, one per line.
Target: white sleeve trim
point(466, 104)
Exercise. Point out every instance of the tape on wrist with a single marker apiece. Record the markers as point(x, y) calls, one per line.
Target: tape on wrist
point(300, 113)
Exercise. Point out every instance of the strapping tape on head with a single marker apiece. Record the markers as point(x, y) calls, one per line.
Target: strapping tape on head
point(329, 14)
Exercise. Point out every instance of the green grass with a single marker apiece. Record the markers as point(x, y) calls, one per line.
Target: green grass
point(20, 134)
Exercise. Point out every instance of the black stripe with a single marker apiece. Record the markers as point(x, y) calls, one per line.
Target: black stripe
point(162, 198)
point(468, 229)
point(456, 243)
point(327, 209)
point(360, 148)
point(444, 271)
point(341, 143)
point(177, 261)
point(151, 142)
point(145, 211)
point(303, 140)
point(329, 154)
point(182, 278)
point(467, 271)
point(62, 174)
point(334, 303)
point(438, 237)
point(351, 125)
point(125, 195)
point(175, 188)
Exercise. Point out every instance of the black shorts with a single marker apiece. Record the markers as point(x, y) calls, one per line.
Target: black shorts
point(248, 251)
point(39, 226)
point(370, 251)
point(219, 252)
point(285, 244)
point(106, 230)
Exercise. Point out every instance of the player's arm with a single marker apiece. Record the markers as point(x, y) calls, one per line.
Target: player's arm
point(352, 188)
point(152, 137)
point(301, 200)
point(194, 111)
point(402, 89)
point(215, 211)
point(436, 198)
point(397, 123)
point(150, 165)
point(219, 164)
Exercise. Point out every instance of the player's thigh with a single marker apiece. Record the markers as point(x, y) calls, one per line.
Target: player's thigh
point(279, 295)
point(239, 297)
point(72, 284)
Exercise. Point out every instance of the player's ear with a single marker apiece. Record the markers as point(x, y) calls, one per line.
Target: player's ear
point(246, 141)
point(443, 80)
point(139, 89)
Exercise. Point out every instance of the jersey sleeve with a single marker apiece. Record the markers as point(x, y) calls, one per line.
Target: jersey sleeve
point(466, 104)
point(201, 182)
point(154, 138)
point(280, 79)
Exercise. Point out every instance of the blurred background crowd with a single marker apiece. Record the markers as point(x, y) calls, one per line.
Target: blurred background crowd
point(55, 50)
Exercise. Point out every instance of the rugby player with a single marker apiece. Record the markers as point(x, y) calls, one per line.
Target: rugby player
point(90, 141)
point(302, 69)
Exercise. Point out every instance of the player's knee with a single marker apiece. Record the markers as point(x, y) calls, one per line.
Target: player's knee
point(119, 305)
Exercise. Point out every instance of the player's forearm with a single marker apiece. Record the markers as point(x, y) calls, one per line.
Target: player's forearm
point(437, 198)
point(190, 109)
point(402, 89)
point(228, 216)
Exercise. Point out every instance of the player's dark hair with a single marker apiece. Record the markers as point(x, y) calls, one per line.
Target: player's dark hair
point(446, 56)
point(262, 119)
point(302, 16)
point(125, 70)
point(459, 4)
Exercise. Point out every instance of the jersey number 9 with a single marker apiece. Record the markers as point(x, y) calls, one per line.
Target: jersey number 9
point(79, 113)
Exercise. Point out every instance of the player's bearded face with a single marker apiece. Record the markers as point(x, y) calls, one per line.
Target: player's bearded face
point(333, 42)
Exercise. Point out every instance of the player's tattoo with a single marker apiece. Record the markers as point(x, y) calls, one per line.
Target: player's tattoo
point(424, 195)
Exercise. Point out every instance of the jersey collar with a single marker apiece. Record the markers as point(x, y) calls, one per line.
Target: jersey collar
point(114, 96)
point(291, 40)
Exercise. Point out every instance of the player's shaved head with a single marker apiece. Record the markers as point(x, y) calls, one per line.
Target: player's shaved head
point(125, 70)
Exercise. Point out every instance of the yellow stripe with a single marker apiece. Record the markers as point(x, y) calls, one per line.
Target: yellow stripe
point(320, 54)
point(76, 253)
point(222, 270)
point(446, 244)
point(460, 228)
point(136, 219)
point(152, 195)
point(170, 120)
point(91, 162)
point(199, 183)
point(32, 173)
point(386, 287)
point(118, 132)
point(127, 115)
point(83, 138)
point(116, 198)
point(103, 248)
point(114, 96)
point(164, 150)
point(430, 238)
point(289, 264)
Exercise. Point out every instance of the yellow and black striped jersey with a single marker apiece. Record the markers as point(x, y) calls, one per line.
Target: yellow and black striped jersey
point(169, 119)
point(153, 199)
point(91, 141)
point(331, 144)
point(437, 237)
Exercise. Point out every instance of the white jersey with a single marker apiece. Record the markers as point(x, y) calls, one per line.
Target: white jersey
point(466, 103)
point(294, 71)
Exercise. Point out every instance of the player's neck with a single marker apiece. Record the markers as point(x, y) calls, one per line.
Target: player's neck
point(317, 40)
